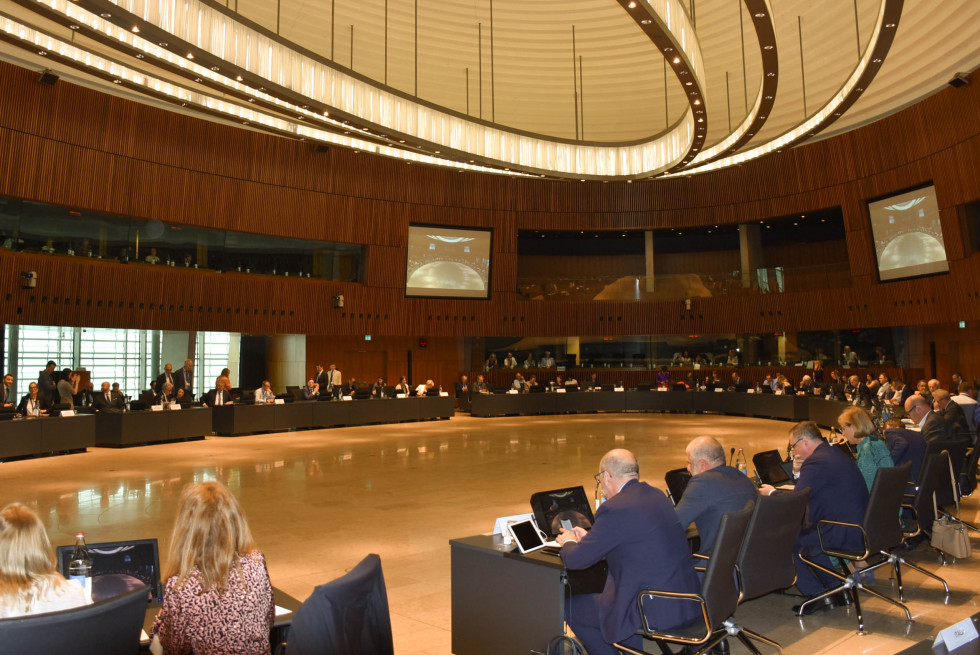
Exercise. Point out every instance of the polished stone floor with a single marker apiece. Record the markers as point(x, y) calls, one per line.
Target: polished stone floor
point(318, 501)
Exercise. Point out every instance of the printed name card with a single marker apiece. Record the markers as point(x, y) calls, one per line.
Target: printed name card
point(957, 634)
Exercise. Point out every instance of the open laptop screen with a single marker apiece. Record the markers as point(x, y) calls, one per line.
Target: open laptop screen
point(562, 508)
point(119, 566)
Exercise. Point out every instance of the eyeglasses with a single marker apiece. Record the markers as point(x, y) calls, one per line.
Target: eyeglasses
point(598, 477)
point(792, 444)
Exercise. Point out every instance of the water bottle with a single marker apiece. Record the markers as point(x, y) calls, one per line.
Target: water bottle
point(80, 566)
point(740, 462)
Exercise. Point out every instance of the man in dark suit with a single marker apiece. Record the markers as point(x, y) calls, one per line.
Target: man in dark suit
point(220, 395)
point(47, 387)
point(184, 379)
point(932, 425)
point(738, 384)
point(837, 493)
point(166, 376)
point(638, 534)
point(905, 446)
point(7, 391)
point(952, 413)
point(320, 377)
point(714, 490)
point(106, 400)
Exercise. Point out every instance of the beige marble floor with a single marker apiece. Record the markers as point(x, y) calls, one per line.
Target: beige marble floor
point(319, 500)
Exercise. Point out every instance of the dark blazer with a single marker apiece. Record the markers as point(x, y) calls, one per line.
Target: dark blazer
point(953, 413)
point(462, 390)
point(46, 386)
point(6, 395)
point(710, 495)
point(936, 428)
point(43, 404)
point(179, 383)
point(837, 492)
point(209, 398)
point(643, 543)
point(321, 379)
point(906, 446)
point(100, 404)
point(162, 378)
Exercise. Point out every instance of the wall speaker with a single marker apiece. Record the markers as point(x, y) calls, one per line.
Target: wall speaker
point(960, 79)
point(48, 78)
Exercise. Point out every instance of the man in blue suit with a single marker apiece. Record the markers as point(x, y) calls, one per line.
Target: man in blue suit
point(837, 493)
point(638, 534)
point(905, 446)
point(714, 490)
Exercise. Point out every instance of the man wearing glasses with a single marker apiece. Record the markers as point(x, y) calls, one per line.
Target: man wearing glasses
point(837, 493)
point(638, 534)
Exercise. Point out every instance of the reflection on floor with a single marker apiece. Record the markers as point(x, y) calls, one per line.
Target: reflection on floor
point(319, 500)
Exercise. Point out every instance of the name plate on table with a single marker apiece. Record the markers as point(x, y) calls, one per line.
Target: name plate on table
point(443, 394)
point(175, 407)
point(957, 634)
point(750, 391)
point(156, 408)
point(347, 397)
point(279, 401)
point(662, 389)
point(719, 390)
point(618, 389)
point(67, 412)
point(514, 391)
point(561, 390)
point(400, 395)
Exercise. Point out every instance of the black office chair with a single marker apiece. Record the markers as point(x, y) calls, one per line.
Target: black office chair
point(347, 616)
point(717, 599)
point(767, 558)
point(948, 494)
point(882, 532)
point(109, 627)
point(676, 480)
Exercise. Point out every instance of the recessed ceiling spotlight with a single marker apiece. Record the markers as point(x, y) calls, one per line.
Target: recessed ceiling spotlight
point(105, 14)
point(136, 29)
point(43, 53)
point(117, 81)
point(645, 21)
point(74, 27)
point(215, 68)
point(326, 113)
point(890, 25)
point(688, 83)
point(761, 117)
point(190, 55)
point(239, 78)
point(768, 47)
point(770, 74)
point(668, 49)
point(761, 14)
point(139, 55)
point(632, 4)
point(876, 60)
point(163, 44)
point(700, 120)
point(677, 60)
point(697, 102)
point(198, 79)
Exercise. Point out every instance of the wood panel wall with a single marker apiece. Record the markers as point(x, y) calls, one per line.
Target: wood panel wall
point(75, 147)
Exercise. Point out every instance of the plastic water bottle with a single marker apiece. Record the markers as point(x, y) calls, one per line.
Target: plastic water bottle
point(740, 462)
point(80, 565)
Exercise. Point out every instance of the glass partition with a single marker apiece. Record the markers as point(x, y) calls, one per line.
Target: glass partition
point(38, 227)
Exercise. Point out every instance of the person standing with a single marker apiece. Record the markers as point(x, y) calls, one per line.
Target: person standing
point(184, 378)
point(335, 381)
point(46, 386)
point(638, 534)
point(7, 391)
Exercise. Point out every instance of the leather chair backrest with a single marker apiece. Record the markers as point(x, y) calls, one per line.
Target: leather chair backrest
point(935, 473)
point(347, 616)
point(676, 480)
point(719, 588)
point(766, 560)
point(946, 493)
point(109, 627)
point(882, 521)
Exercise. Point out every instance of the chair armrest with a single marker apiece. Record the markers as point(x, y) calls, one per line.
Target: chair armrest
point(679, 597)
point(915, 517)
point(850, 555)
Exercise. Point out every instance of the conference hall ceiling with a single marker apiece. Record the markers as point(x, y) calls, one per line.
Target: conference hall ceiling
point(578, 89)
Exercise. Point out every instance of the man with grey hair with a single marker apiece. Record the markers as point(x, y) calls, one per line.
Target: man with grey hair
point(637, 532)
point(932, 426)
point(953, 413)
point(715, 489)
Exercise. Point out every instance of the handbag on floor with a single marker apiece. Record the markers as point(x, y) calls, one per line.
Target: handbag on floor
point(948, 534)
point(566, 645)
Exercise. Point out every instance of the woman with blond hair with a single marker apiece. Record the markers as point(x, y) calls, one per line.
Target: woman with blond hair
point(218, 598)
point(29, 583)
point(872, 452)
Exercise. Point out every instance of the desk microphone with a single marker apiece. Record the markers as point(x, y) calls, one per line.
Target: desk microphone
point(732, 457)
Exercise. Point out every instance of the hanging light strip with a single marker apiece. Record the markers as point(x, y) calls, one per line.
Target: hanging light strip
point(35, 40)
point(889, 13)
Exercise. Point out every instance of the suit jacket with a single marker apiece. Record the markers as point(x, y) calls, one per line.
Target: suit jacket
point(710, 495)
point(6, 394)
point(937, 428)
point(100, 404)
point(906, 446)
point(179, 383)
point(43, 404)
point(956, 419)
point(321, 379)
point(462, 390)
point(209, 398)
point(837, 492)
point(162, 378)
point(643, 543)
point(46, 386)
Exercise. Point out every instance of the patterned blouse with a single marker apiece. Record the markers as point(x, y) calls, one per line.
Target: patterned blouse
point(207, 623)
point(873, 454)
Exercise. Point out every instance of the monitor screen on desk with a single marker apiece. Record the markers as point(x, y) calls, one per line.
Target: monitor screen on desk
point(560, 508)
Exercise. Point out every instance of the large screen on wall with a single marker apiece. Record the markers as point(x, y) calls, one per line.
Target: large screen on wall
point(908, 235)
point(448, 262)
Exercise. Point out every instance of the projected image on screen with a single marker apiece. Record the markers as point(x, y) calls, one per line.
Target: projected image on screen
point(908, 235)
point(448, 262)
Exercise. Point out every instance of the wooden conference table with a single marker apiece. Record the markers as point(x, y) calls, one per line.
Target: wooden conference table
point(46, 434)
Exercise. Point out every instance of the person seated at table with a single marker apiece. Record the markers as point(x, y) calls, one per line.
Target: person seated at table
point(638, 534)
point(403, 386)
point(32, 404)
point(593, 383)
point(529, 361)
point(835, 387)
point(218, 597)
point(532, 383)
point(715, 489)
point(220, 395)
point(932, 425)
point(547, 361)
point(510, 361)
point(922, 389)
point(943, 405)
point(265, 395)
point(837, 493)
point(480, 386)
point(424, 388)
point(104, 400)
point(806, 386)
point(738, 383)
point(768, 384)
point(181, 398)
point(152, 258)
point(905, 446)
point(311, 391)
point(491, 362)
point(715, 382)
point(166, 396)
point(350, 388)
point(732, 358)
point(783, 385)
point(856, 392)
point(663, 378)
point(29, 581)
point(557, 383)
point(378, 388)
point(519, 384)
point(872, 453)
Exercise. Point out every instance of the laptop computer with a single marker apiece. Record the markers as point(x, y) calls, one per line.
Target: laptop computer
point(118, 566)
point(769, 466)
point(562, 508)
